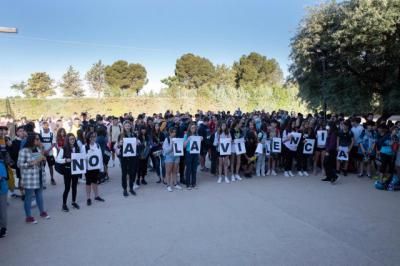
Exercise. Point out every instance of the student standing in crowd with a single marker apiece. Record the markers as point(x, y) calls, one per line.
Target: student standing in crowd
point(143, 149)
point(307, 133)
point(366, 148)
point(204, 132)
point(223, 160)
point(48, 142)
point(114, 133)
point(31, 163)
point(70, 180)
point(16, 145)
point(236, 159)
point(289, 151)
point(171, 161)
point(93, 176)
point(5, 161)
point(319, 156)
point(156, 151)
point(273, 132)
point(330, 154)
point(129, 165)
point(262, 139)
point(384, 151)
point(345, 141)
point(191, 160)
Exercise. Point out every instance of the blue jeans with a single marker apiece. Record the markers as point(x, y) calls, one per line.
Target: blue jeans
point(28, 200)
point(191, 161)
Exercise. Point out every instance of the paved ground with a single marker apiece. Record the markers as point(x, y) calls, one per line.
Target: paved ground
point(262, 221)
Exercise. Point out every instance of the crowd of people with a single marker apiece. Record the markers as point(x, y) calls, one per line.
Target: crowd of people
point(356, 144)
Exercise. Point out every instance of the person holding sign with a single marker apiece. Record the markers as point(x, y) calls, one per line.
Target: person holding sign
point(192, 142)
point(273, 132)
point(223, 143)
point(305, 149)
point(345, 142)
point(322, 135)
point(262, 139)
point(95, 164)
point(126, 150)
point(236, 158)
point(290, 141)
point(70, 180)
point(171, 161)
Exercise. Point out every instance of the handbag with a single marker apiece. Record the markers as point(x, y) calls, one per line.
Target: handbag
point(60, 168)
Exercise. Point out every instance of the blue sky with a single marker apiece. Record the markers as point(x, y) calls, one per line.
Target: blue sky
point(55, 34)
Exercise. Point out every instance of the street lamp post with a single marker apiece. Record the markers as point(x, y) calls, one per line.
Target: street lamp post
point(322, 58)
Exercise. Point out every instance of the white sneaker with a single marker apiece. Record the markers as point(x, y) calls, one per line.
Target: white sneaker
point(305, 173)
point(178, 187)
point(263, 175)
point(238, 177)
point(135, 186)
point(169, 189)
point(300, 173)
point(258, 175)
point(233, 178)
point(286, 174)
point(290, 173)
point(269, 172)
point(227, 180)
point(219, 180)
point(273, 173)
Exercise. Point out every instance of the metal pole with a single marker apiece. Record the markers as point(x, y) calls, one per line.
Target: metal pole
point(323, 59)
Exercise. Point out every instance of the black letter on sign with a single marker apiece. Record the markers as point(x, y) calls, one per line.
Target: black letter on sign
point(225, 149)
point(295, 141)
point(307, 146)
point(276, 145)
point(176, 148)
point(342, 154)
point(239, 145)
point(194, 146)
point(129, 148)
point(78, 164)
point(94, 160)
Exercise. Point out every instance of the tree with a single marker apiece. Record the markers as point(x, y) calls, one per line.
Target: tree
point(20, 87)
point(71, 84)
point(194, 71)
point(40, 85)
point(96, 78)
point(348, 53)
point(255, 70)
point(224, 77)
point(128, 78)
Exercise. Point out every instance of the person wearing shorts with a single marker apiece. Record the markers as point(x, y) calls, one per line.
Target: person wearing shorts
point(171, 161)
point(223, 160)
point(92, 176)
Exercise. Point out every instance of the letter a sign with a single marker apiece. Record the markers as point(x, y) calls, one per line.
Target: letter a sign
point(129, 147)
point(343, 154)
point(195, 144)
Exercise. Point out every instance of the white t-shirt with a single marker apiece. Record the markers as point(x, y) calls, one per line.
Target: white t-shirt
point(47, 140)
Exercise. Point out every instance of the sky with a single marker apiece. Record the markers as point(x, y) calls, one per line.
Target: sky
point(52, 35)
